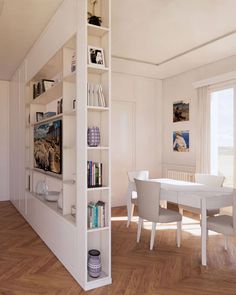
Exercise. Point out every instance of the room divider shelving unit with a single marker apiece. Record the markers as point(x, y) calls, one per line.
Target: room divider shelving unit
point(69, 94)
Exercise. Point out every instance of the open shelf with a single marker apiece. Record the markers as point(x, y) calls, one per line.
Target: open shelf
point(50, 95)
point(54, 207)
point(67, 113)
point(47, 119)
point(96, 69)
point(97, 30)
point(101, 277)
point(97, 109)
point(98, 148)
point(91, 230)
point(100, 188)
point(48, 173)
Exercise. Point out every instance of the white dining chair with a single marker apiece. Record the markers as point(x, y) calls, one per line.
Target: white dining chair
point(224, 224)
point(209, 180)
point(132, 194)
point(149, 209)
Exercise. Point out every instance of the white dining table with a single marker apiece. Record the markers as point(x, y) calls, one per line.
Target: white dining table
point(198, 196)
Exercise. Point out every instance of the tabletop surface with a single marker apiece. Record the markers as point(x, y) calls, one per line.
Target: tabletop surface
point(185, 186)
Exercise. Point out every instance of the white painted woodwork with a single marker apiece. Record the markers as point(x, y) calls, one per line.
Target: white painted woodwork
point(67, 237)
point(123, 148)
point(4, 146)
point(145, 152)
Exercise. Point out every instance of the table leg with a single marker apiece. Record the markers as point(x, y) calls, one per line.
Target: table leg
point(204, 230)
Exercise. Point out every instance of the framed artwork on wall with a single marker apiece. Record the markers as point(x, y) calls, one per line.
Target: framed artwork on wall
point(181, 110)
point(181, 141)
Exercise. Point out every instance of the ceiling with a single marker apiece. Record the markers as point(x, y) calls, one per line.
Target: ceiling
point(21, 22)
point(174, 35)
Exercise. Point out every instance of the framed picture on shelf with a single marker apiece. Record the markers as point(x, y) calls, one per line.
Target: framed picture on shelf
point(46, 84)
point(96, 56)
point(39, 116)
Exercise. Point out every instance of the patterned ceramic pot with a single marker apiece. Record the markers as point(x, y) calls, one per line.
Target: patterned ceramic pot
point(94, 263)
point(93, 136)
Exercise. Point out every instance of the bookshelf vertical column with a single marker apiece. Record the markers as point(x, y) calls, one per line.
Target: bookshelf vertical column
point(93, 161)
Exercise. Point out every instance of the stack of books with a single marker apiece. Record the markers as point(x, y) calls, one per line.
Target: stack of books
point(97, 214)
point(94, 172)
point(95, 95)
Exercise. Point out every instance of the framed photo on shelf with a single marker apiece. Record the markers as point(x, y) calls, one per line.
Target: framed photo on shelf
point(96, 56)
point(46, 84)
point(39, 116)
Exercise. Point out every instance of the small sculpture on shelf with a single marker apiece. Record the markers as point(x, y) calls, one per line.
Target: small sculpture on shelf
point(93, 19)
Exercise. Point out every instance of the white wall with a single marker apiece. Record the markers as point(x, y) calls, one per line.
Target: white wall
point(178, 88)
point(136, 127)
point(4, 142)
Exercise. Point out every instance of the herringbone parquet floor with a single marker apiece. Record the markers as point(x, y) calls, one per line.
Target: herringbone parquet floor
point(27, 266)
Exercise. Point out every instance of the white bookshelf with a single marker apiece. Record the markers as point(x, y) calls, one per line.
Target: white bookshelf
point(72, 231)
point(96, 238)
point(64, 89)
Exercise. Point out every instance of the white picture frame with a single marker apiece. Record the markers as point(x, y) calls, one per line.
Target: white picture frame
point(96, 57)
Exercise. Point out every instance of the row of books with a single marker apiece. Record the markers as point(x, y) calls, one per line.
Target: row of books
point(95, 95)
point(94, 172)
point(97, 214)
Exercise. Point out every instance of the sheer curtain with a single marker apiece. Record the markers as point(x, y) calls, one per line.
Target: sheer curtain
point(203, 131)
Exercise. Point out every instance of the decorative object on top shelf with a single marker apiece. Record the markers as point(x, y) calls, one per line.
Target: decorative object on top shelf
point(94, 263)
point(93, 137)
point(96, 56)
point(48, 146)
point(95, 96)
point(93, 19)
point(73, 62)
point(41, 187)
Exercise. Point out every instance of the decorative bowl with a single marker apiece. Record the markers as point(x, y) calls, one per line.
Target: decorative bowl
point(52, 196)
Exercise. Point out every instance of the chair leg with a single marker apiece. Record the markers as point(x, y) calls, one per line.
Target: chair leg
point(226, 242)
point(140, 224)
point(130, 210)
point(153, 235)
point(179, 231)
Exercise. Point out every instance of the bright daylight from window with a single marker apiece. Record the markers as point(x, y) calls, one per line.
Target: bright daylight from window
point(222, 134)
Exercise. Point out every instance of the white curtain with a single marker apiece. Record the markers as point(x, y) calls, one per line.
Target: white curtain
point(203, 164)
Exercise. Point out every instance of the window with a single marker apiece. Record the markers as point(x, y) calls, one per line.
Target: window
point(223, 133)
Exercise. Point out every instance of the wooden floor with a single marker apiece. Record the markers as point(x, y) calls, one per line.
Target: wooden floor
point(27, 266)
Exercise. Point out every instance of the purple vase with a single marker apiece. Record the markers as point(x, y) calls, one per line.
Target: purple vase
point(94, 263)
